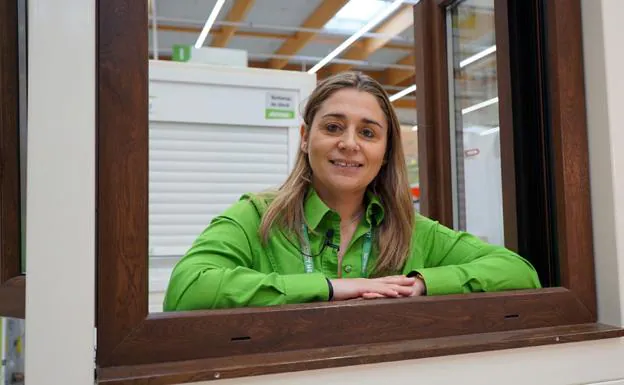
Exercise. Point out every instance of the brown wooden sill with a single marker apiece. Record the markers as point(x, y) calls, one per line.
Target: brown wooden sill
point(13, 297)
point(292, 361)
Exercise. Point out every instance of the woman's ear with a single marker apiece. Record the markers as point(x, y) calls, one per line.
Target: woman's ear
point(304, 138)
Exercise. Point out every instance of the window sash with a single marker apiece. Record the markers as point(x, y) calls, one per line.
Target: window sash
point(177, 347)
point(12, 282)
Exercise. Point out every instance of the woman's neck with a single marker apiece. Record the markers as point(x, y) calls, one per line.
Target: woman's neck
point(348, 205)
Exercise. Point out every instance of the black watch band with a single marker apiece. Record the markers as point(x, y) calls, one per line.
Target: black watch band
point(331, 290)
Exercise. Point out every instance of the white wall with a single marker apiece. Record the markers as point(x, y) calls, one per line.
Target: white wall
point(60, 231)
point(604, 61)
point(60, 294)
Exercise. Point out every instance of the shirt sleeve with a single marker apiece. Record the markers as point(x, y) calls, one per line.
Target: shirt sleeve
point(458, 262)
point(217, 273)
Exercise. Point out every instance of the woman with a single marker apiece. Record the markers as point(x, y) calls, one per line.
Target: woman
point(341, 226)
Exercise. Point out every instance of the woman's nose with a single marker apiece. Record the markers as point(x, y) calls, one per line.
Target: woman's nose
point(349, 140)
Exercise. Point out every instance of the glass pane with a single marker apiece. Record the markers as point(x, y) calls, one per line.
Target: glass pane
point(410, 147)
point(234, 128)
point(474, 120)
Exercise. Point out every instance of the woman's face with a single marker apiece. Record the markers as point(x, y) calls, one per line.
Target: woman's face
point(347, 142)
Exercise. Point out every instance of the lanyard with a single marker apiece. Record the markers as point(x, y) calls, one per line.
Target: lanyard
point(308, 262)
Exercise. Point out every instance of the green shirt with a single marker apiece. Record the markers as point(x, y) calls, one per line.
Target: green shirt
point(228, 266)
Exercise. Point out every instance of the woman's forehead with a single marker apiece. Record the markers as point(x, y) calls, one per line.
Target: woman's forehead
point(352, 103)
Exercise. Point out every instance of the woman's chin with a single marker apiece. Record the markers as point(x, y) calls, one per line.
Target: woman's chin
point(346, 185)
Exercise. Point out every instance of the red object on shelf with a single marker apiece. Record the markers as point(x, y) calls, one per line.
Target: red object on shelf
point(415, 192)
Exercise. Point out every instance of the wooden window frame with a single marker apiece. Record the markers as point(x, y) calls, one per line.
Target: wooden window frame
point(136, 347)
point(12, 281)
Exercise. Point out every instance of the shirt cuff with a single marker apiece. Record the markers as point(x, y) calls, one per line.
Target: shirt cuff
point(307, 287)
point(441, 280)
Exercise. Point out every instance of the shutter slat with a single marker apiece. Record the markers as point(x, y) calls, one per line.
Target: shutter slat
point(230, 134)
point(192, 197)
point(215, 188)
point(190, 219)
point(175, 230)
point(219, 168)
point(268, 179)
point(219, 147)
point(200, 157)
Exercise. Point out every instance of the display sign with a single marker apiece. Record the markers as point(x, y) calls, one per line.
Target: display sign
point(180, 52)
point(279, 106)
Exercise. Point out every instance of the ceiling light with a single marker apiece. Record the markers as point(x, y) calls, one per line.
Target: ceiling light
point(477, 56)
point(490, 131)
point(415, 128)
point(370, 25)
point(402, 93)
point(211, 19)
point(355, 14)
point(479, 106)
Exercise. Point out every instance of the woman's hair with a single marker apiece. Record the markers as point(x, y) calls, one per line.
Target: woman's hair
point(391, 183)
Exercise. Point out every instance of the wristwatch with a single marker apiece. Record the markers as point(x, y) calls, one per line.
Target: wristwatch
point(417, 275)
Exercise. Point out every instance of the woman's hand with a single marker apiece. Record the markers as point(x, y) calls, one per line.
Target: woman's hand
point(391, 286)
point(417, 288)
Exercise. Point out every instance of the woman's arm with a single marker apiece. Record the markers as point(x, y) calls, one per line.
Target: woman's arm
point(458, 262)
point(217, 272)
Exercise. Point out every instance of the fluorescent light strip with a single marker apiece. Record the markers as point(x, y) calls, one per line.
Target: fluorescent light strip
point(211, 19)
point(479, 106)
point(386, 12)
point(478, 56)
point(402, 93)
point(490, 131)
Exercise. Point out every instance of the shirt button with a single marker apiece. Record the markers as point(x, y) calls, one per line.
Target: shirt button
point(348, 268)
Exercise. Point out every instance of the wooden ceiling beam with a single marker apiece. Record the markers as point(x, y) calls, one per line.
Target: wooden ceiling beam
point(333, 40)
point(237, 13)
point(405, 103)
point(394, 76)
point(321, 15)
point(393, 26)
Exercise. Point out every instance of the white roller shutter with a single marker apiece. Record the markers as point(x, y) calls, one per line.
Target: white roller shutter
point(198, 170)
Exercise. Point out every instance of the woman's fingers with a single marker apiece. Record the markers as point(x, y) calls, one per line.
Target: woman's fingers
point(388, 291)
point(390, 287)
point(373, 296)
point(404, 291)
point(391, 290)
point(397, 280)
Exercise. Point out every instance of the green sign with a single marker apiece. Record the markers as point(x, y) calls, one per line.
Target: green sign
point(279, 105)
point(271, 113)
point(181, 52)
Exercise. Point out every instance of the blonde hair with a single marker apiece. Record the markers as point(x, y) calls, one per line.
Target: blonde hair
point(394, 234)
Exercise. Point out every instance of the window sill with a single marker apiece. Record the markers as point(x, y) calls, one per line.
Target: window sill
point(292, 361)
point(13, 297)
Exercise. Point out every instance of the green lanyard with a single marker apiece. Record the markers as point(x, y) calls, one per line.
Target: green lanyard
point(308, 262)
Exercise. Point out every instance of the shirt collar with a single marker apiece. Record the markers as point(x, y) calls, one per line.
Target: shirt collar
point(315, 209)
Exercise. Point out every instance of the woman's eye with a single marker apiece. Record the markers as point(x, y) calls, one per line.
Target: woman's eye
point(368, 133)
point(332, 127)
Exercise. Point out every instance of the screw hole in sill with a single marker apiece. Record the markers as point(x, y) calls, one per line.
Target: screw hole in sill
point(244, 338)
